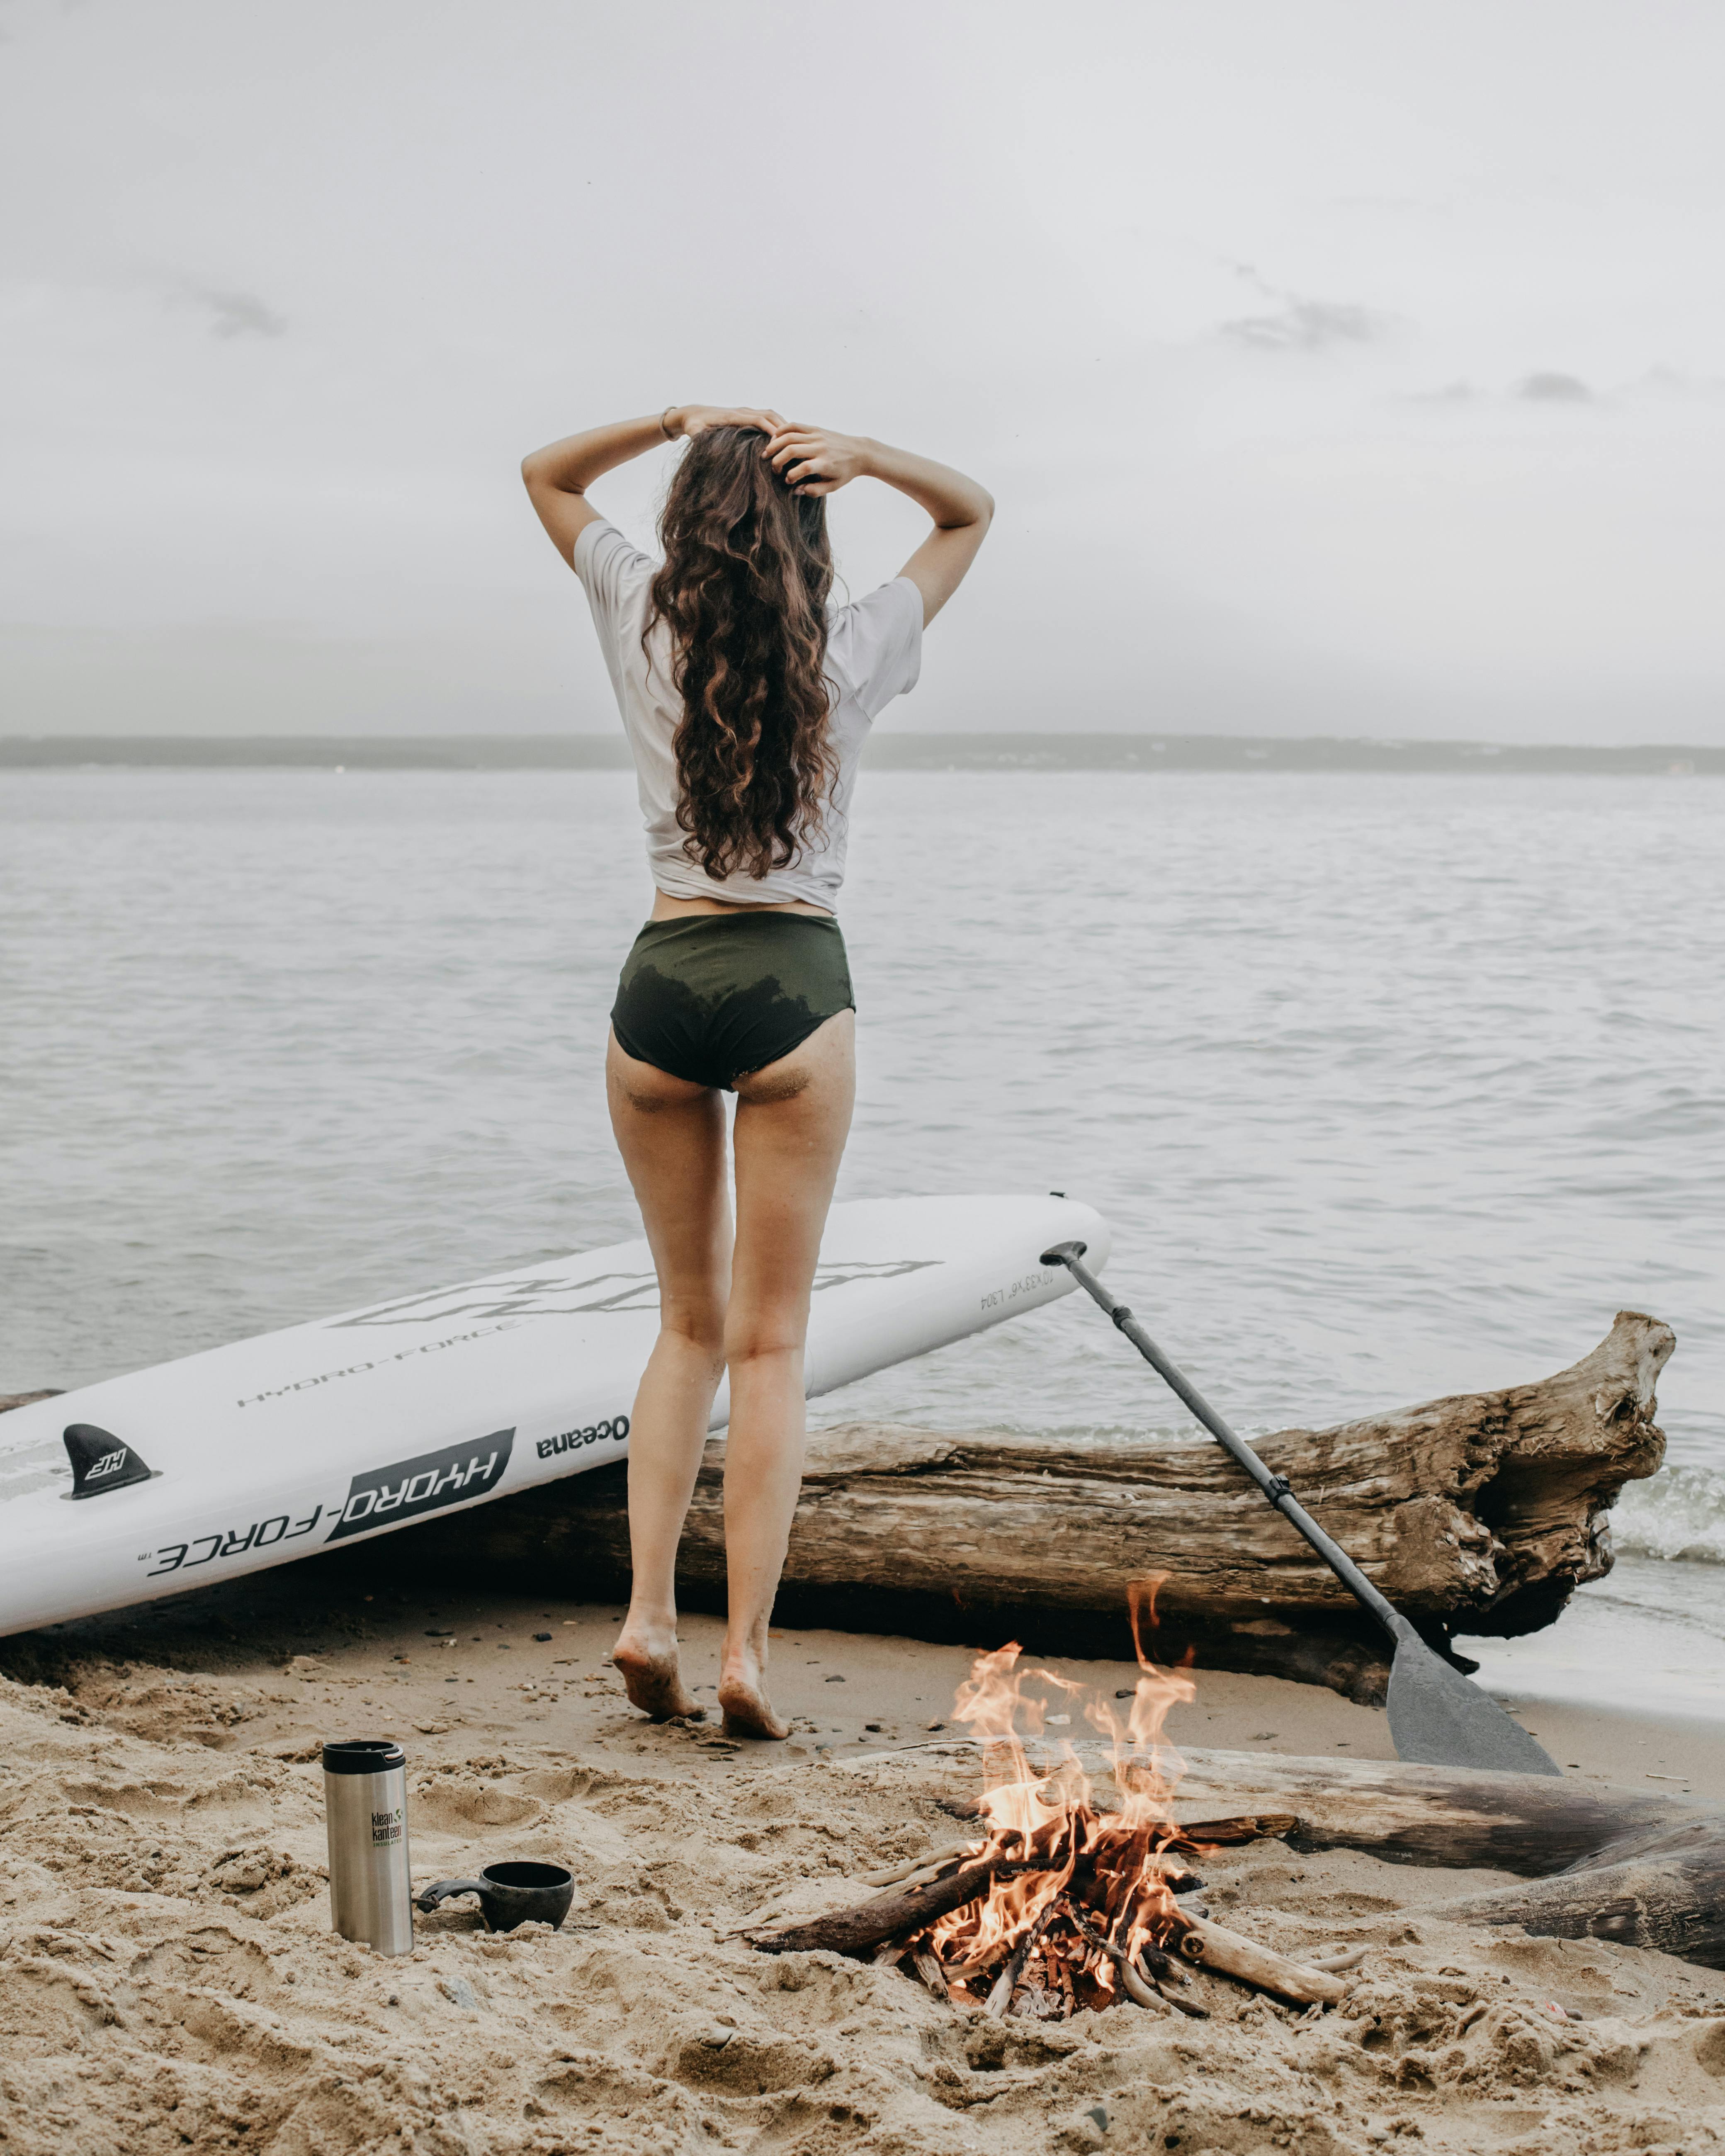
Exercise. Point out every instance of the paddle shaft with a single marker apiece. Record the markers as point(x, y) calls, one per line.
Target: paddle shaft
point(1276, 1487)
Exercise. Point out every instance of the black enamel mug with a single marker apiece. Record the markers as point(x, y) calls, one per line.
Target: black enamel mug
point(510, 1894)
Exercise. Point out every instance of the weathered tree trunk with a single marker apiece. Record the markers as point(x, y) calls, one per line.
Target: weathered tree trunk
point(1664, 1890)
point(1603, 1863)
point(1449, 1818)
point(1478, 1514)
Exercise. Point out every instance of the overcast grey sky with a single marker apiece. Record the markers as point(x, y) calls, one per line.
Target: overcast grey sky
point(1336, 367)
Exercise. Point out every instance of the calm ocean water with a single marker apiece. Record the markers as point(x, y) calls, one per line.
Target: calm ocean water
point(1392, 1087)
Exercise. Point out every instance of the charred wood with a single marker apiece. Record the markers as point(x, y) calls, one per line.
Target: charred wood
point(1227, 1833)
point(854, 1931)
point(1133, 1984)
point(999, 1999)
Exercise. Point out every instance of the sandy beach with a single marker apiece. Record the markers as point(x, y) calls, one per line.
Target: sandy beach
point(168, 1979)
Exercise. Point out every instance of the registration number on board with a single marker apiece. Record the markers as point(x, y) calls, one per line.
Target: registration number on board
point(998, 1298)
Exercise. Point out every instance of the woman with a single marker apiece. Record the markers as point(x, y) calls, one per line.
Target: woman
point(745, 698)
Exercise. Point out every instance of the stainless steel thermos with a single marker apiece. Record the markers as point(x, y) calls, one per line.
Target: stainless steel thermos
point(365, 1790)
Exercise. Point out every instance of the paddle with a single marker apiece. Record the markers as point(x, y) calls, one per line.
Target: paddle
point(1436, 1716)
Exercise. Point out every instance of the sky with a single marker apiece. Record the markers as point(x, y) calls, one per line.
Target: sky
point(1336, 368)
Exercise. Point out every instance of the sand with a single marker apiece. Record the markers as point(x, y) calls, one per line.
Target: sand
point(168, 1980)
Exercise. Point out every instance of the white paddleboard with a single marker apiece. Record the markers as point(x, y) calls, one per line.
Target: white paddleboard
point(256, 1454)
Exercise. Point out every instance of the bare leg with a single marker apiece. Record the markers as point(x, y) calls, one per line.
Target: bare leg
point(671, 1135)
point(792, 1120)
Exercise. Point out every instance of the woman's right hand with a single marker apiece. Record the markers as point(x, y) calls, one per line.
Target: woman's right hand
point(690, 420)
point(814, 459)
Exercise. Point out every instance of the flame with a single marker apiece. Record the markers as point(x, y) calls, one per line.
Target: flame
point(1113, 1865)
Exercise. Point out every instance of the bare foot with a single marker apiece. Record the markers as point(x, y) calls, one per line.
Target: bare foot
point(654, 1682)
point(748, 1712)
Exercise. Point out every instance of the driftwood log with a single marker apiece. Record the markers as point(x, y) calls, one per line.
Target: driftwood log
point(1601, 1862)
point(1657, 1890)
point(1449, 1818)
point(1213, 1946)
point(1479, 1513)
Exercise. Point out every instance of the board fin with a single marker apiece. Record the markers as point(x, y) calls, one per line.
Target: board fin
point(100, 1461)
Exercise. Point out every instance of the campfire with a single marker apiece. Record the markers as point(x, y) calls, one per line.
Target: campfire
point(1059, 1903)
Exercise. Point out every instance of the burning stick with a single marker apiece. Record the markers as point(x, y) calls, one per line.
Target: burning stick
point(1162, 1969)
point(854, 1931)
point(999, 1999)
point(1136, 1990)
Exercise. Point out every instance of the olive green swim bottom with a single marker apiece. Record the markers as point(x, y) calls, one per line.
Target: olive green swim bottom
point(713, 996)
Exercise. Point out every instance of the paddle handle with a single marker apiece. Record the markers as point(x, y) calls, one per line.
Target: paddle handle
point(1276, 1487)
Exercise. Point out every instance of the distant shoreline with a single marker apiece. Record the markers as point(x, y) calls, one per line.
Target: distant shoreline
point(889, 752)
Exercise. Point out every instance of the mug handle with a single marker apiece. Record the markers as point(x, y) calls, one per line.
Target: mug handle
point(426, 1899)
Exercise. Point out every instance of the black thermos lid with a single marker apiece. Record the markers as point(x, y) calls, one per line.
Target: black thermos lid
point(363, 1755)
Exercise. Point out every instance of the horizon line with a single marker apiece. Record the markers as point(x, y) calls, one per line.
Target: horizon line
point(1102, 749)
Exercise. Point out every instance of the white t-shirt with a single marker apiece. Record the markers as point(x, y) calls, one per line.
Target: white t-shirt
point(874, 653)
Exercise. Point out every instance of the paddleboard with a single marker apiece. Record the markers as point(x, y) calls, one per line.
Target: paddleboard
point(253, 1454)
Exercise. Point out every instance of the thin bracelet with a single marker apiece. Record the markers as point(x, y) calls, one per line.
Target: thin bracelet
point(663, 416)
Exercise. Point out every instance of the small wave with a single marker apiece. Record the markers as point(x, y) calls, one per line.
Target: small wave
point(1678, 1514)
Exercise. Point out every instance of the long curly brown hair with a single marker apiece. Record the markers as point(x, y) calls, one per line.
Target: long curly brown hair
point(743, 591)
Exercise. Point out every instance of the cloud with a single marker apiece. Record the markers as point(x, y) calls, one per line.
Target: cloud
point(238, 314)
point(1673, 381)
point(1307, 325)
point(1545, 388)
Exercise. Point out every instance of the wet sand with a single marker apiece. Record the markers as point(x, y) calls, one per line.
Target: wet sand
point(167, 1979)
point(313, 1646)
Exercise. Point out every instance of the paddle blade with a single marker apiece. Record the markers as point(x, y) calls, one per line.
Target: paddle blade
point(1439, 1718)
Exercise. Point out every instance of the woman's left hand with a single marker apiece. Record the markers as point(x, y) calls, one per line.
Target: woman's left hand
point(814, 459)
point(693, 419)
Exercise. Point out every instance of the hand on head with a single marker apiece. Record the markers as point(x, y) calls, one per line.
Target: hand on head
point(811, 460)
point(693, 419)
point(814, 459)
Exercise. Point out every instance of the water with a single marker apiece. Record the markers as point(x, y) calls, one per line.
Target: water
point(1392, 1087)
